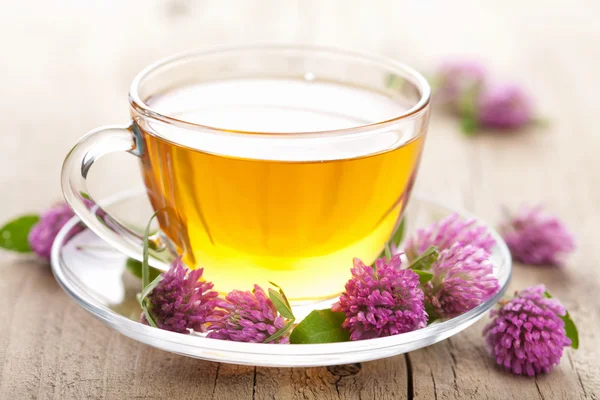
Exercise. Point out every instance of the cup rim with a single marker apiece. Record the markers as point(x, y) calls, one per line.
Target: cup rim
point(141, 107)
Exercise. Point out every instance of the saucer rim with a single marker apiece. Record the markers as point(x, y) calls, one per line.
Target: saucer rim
point(436, 332)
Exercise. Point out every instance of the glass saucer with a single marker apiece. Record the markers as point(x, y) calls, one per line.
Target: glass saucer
point(94, 275)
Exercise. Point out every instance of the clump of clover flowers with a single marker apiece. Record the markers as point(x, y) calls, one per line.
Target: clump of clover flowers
point(464, 87)
point(446, 272)
point(179, 300)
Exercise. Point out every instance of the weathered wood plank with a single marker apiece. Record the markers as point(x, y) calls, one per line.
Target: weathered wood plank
point(381, 379)
point(51, 349)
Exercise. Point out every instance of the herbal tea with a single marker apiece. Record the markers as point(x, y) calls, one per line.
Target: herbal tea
point(252, 214)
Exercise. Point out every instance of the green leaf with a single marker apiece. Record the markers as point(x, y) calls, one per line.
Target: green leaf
point(280, 332)
point(282, 294)
point(541, 122)
point(395, 82)
point(142, 300)
point(145, 310)
point(424, 276)
point(570, 328)
point(431, 313)
point(387, 252)
point(396, 239)
point(147, 286)
point(13, 235)
point(468, 124)
point(281, 304)
point(145, 251)
point(425, 260)
point(150, 287)
point(468, 111)
point(135, 267)
point(320, 326)
point(148, 316)
point(399, 234)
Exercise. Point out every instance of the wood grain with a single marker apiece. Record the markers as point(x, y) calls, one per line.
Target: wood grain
point(66, 69)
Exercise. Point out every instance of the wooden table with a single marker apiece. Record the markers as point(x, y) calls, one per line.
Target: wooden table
point(66, 67)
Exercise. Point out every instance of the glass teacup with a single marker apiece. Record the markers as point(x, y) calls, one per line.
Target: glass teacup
point(268, 163)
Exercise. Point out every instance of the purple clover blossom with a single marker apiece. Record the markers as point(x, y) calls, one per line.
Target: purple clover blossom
point(536, 238)
point(445, 233)
point(181, 301)
point(462, 279)
point(527, 334)
point(382, 301)
point(503, 106)
point(456, 79)
point(42, 235)
point(247, 317)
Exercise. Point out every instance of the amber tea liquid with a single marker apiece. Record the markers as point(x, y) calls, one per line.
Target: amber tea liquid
point(296, 218)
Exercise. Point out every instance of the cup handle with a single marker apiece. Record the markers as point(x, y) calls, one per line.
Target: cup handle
point(95, 144)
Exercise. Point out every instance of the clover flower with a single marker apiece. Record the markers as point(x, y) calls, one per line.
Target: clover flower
point(42, 235)
point(503, 106)
point(456, 79)
point(445, 233)
point(381, 301)
point(247, 317)
point(527, 334)
point(536, 238)
point(462, 279)
point(182, 301)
